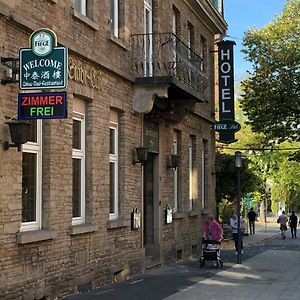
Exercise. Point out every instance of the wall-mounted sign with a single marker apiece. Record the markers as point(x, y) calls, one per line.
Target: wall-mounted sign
point(43, 72)
point(42, 105)
point(227, 126)
point(168, 215)
point(43, 66)
point(42, 41)
point(226, 87)
point(84, 74)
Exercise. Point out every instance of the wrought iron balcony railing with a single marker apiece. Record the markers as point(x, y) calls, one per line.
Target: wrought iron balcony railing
point(165, 55)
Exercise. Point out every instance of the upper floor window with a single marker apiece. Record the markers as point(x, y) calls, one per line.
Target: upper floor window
point(115, 17)
point(32, 179)
point(78, 160)
point(84, 7)
point(113, 166)
point(203, 51)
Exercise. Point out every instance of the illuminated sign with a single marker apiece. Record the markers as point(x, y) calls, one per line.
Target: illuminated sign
point(42, 105)
point(226, 88)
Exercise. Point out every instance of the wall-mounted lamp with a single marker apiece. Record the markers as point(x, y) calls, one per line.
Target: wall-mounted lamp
point(18, 133)
point(11, 70)
point(173, 161)
point(141, 155)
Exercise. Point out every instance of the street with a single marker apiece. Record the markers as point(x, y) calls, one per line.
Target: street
point(270, 269)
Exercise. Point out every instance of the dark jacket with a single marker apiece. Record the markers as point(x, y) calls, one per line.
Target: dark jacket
point(293, 221)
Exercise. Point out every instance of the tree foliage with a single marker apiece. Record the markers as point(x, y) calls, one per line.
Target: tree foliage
point(271, 95)
point(226, 178)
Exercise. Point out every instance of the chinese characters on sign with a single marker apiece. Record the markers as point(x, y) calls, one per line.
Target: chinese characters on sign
point(43, 73)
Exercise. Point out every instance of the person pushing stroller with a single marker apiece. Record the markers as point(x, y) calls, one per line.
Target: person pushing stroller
point(212, 229)
point(212, 236)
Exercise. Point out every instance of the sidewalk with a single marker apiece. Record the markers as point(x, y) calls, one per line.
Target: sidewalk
point(272, 274)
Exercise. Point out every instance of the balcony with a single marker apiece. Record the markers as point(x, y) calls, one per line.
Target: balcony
point(163, 65)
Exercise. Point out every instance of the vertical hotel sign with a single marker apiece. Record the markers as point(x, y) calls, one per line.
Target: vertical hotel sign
point(226, 89)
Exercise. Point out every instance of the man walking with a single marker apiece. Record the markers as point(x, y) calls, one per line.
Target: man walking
point(252, 218)
point(293, 222)
point(282, 220)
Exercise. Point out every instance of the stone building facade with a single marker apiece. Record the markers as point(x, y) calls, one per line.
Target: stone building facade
point(78, 207)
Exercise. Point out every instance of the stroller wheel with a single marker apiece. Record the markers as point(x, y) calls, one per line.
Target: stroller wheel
point(221, 264)
point(202, 263)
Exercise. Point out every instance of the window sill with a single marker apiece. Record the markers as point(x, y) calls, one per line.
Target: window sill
point(204, 211)
point(118, 223)
point(192, 213)
point(177, 215)
point(85, 20)
point(83, 228)
point(118, 41)
point(26, 237)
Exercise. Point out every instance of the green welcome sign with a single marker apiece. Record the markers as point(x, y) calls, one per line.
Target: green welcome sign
point(43, 66)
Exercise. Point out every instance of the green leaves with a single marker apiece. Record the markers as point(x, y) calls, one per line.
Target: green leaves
point(271, 96)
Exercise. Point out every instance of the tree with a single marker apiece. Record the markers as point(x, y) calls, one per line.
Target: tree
point(270, 96)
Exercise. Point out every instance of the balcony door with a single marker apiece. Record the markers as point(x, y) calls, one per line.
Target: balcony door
point(148, 29)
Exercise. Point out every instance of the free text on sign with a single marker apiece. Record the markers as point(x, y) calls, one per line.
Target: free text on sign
point(42, 105)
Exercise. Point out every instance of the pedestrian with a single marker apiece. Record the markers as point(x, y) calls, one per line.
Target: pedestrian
point(293, 222)
point(282, 220)
point(252, 218)
point(212, 229)
point(234, 231)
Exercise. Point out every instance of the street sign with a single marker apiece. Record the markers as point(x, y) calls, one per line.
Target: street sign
point(49, 72)
point(42, 105)
point(227, 126)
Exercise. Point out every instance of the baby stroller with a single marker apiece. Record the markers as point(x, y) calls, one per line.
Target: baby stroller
point(211, 251)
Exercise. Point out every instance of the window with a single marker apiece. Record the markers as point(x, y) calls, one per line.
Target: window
point(191, 172)
point(32, 179)
point(113, 166)
point(78, 161)
point(115, 15)
point(203, 46)
point(176, 183)
point(204, 157)
point(148, 37)
point(175, 30)
point(190, 45)
point(84, 7)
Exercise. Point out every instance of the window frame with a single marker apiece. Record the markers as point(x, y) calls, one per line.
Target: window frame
point(176, 173)
point(80, 154)
point(191, 167)
point(35, 148)
point(83, 7)
point(115, 18)
point(114, 158)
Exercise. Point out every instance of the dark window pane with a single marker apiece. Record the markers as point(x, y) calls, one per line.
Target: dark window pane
point(29, 187)
point(112, 188)
point(32, 136)
point(76, 134)
point(76, 188)
point(112, 141)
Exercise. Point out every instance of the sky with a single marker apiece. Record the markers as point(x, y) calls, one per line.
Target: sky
point(242, 15)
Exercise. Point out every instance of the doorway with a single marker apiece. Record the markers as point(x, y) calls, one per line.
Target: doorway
point(150, 205)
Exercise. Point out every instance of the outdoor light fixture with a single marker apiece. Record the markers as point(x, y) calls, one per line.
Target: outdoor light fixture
point(173, 161)
point(238, 165)
point(18, 133)
point(238, 159)
point(141, 154)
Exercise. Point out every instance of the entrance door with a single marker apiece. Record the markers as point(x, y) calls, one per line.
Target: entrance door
point(149, 207)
